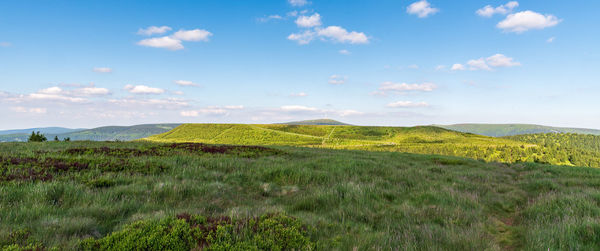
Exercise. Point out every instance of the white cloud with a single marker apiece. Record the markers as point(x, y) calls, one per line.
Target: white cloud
point(488, 64)
point(166, 103)
point(309, 21)
point(421, 8)
point(489, 11)
point(440, 67)
point(189, 113)
point(154, 30)
point(337, 80)
point(234, 107)
point(55, 97)
point(458, 67)
point(57, 94)
point(339, 34)
point(35, 110)
point(142, 89)
point(550, 40)
point(478, 64)
point(407, 104)
point(270, 17)
point(298, 108)
point(302, 38)
point(500, 60)
point(413, 66)
point(404, 87)
point(211, 110)
point(102, 70)
point(299, 94)
point(527, 20)
point(331, 33)
point(344, 52)
point(192, 35)
point(162, 42)
point(174, 42)
point(51, 90)
point(298, 3)
point(5, 44)
point(185, 83)
point(345, 113)
point(92, 91)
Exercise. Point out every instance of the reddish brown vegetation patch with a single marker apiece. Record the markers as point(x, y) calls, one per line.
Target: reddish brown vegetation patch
point(222, 149)
point(29, 168)
point(247, 151)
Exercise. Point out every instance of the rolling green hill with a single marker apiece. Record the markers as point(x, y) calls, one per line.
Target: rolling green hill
point(421, 139)
point(316, 122)
point(500, 130)
point(107, 133)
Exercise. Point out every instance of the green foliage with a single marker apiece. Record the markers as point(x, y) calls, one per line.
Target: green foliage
point(189, 232)
point(37, 137)
point(168, 234)
point(420, 139)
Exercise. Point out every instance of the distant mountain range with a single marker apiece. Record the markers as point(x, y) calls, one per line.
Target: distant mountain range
point(316, 122)
point(501, 130)
point(44, 130)
point(106, 133)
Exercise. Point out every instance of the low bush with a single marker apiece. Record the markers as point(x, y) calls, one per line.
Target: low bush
point(187, 232)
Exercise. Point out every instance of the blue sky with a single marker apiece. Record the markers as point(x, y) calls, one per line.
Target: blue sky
point(93, 63)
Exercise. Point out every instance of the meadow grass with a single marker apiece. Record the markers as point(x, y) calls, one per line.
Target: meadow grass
point(348, 199)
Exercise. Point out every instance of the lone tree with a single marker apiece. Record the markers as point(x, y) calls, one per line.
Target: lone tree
point(37, 137)
point(56, 138)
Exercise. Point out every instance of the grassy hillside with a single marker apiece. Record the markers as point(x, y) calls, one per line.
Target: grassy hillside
point(422, 139)
point(500, 130)
point(316, 122)
point(55, 194)
point(107, 133)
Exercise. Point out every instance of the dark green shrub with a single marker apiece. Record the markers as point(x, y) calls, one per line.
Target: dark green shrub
point(101, 183)
point(167, 234)
point(187, 232)
point(37, 137)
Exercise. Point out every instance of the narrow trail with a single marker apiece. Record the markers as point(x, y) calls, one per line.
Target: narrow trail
point(223, 132)
point(290, 133)
point(328, 136)
point(508, 234)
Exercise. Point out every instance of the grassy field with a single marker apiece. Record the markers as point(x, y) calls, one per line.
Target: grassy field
point(420, 139)
point(56, 194)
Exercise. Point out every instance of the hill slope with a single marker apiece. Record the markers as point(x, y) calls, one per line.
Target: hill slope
point(316, 122)
point(500, 130)
point(421, 139)
point(107, 133)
